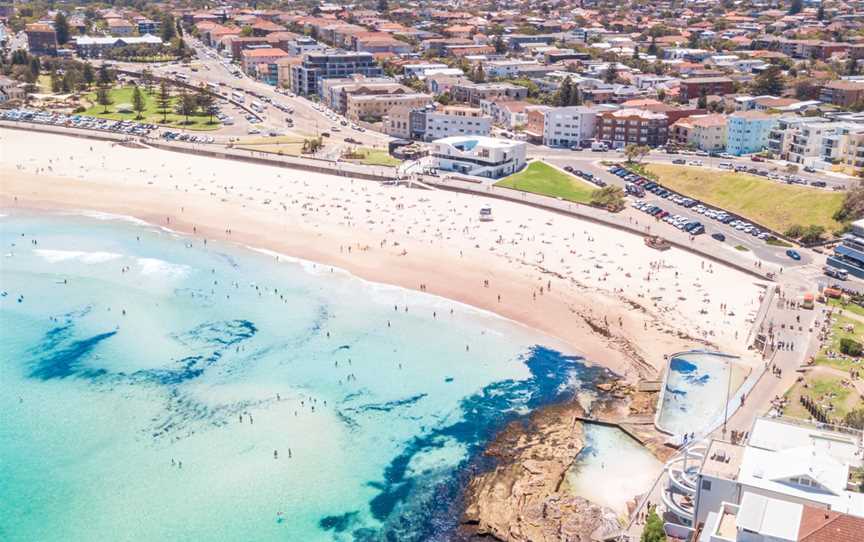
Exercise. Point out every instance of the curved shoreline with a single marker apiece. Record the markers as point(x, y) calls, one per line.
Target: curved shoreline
point(458, 268)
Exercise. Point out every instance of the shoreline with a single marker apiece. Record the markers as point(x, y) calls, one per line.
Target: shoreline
point(532, 293)
point(617, 304)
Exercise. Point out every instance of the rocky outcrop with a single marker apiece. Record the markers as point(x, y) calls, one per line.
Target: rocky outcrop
point(520, 499)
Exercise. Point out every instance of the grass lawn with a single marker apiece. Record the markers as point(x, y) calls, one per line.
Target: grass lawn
point(123, 95)
point(847, 307)
point(375, 157)
point(773, 204)
point(839, 324)
point(835, 398)
point(541, 178)
point(286, 149)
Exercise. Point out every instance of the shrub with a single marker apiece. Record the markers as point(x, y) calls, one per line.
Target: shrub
point(850, 347)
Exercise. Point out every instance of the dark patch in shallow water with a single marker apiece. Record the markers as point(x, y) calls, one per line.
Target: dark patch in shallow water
point(426, 505)
point(56, 362)
point(339, 523)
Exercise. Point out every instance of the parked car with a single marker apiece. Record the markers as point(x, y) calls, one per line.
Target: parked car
point(719, 236)
point(679, 161)
point(757, 158)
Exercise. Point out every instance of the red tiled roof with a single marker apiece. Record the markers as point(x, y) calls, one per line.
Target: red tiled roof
point(820, 525)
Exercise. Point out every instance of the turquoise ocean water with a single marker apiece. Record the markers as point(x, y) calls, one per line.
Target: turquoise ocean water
point(303, 403)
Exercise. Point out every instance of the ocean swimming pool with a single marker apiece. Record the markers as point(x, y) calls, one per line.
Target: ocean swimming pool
point(302, 402)
point(695, 393)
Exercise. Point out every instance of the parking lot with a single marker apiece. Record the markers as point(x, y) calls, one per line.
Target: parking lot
point(131, 128)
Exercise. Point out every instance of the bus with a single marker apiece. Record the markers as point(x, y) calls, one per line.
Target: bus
point(213, 86)
point(257, 107)
point(182, 77)
point(238, 96)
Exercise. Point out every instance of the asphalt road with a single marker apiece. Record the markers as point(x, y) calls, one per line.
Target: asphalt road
point(307, 121)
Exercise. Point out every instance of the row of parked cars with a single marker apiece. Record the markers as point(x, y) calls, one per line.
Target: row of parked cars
point(637, 183)
point(693, 227)
point(78, 121)
point(588, 176)
point(189, 138)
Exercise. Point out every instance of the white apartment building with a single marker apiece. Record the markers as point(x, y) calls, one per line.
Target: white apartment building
point(563, 126)
point(455, 120)
point(785, 459)
point(508, 68)
point(818, 142)
point(478, 156)
point(419, 70)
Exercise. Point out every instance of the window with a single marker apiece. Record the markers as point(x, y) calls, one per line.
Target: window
point(706, 485)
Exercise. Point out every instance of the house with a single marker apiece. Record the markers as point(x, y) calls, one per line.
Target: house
point(318, 66)
point(843, 93)
point(704, 132)
point(695, 87)
point(632, 126)
point(374, 107)
point(473, 93)
point(120, 27)
point(506, 113)
point(11, 90)
point(478, 156)
point(747, 132)
point(786, 460)
point(95, 47)
point(431, 122)
point(251, 58)
point(41, 39)
point(567, 127)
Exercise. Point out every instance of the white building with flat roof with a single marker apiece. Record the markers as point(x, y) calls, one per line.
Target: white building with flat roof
point(783, 459)
point(478, 156)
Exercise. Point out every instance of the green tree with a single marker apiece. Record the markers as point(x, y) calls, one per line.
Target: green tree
point(56, 83)
point(163, 100)
point(383, 6)
point(138, 104)
point(186, 105)
point(168, 28)
point(636, 153)
point(88, 75)
point(565, 93)
point(855, 418)
point(850, 347)
point(479, 74)
point(206, 103)
point(611, 73)
point(769, 82)
point(652, 48)
point(105, 78)
point(35, 66)
point(820, 13)
point(796, 6)
point(61, 28)
point(246, 31)
point(852, 66)
point(147, 80)
point(610, 198)
point(653, 531)
point(103, 97)
point(702, 103)
point(500, 46)
point(312, 145)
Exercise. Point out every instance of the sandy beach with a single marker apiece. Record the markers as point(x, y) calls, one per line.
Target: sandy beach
point(600, 291)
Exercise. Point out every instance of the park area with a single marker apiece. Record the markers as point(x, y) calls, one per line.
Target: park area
point(835, 394)
point(121, 108)
point(769, 203)
point(541, 178)
point(371, 157)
